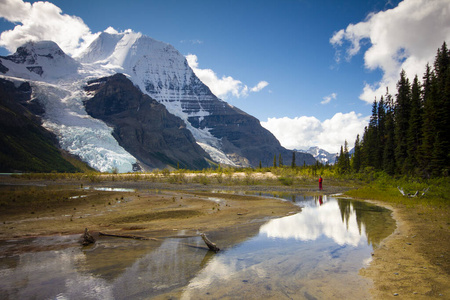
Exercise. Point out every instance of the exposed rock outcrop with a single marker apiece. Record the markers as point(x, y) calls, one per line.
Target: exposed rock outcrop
point(143, 126)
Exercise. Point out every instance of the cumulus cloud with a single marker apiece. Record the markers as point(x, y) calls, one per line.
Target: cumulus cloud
point(304, 132)
point(43, 21)
point(328, 98)
point(405, 37)
point(225, 86)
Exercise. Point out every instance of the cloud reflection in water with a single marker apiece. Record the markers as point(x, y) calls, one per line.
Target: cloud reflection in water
point(314, 222)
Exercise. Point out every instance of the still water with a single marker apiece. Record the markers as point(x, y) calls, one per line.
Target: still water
point(314, 254)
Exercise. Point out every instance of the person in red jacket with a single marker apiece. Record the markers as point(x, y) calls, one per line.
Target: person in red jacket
point(320, 182)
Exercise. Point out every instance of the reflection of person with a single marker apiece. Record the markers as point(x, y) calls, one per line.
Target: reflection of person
point(320, 183)
point(320, 200)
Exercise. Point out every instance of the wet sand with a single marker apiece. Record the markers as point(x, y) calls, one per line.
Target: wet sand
point(412, 263)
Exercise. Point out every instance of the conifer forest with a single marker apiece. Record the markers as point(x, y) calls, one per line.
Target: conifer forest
point(408, 134)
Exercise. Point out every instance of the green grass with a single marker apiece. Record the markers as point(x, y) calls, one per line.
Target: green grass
point(384, 188)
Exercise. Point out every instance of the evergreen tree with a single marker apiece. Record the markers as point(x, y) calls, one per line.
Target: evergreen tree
point(343, 162)
point(357, 155)
point(280, 160)
point(388, 164)
point(414, 134)
point(275, 161)
point(440, 154)
point(428, 119)
point(346, 158)
point(401, 117)
point(340, 160)
point(293, 160)
point(381, 132)
point(371, 144)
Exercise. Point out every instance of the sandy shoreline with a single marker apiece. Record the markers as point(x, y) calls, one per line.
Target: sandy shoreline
point(399, 267)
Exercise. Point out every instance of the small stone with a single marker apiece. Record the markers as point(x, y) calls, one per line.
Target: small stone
point(396, 273)
point(408, 244)
point(395, 294)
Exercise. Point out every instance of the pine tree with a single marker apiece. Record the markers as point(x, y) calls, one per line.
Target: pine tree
point(371, 143)
point(357, 155)
point(389, 144)
point(401, 117)
point(280, 160)
point(343, 162)
point(275, 161)
point(346, 158)
point(381, 132)
point(293, 160)
point(440, 154)
point(428, 119)
point(414, 134)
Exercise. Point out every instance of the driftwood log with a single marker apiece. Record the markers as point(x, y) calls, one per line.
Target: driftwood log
point(210, 244)
point(127, 236)
point(87, 238)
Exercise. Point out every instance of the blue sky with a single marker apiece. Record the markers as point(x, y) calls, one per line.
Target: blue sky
point(318, 58)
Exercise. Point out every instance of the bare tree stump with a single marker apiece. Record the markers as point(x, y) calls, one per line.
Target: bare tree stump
point(210, 244)
point(87, 238)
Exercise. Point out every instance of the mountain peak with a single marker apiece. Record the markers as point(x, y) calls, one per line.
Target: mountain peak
point(42, 58)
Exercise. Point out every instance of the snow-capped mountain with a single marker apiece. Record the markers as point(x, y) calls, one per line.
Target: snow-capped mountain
point(227, 134)
point(321, 155)
point(160, 71)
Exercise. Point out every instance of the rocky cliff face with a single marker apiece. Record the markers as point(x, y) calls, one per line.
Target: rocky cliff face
point(143, 126)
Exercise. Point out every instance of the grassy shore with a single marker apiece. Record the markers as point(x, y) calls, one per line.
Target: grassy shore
point(414, 261)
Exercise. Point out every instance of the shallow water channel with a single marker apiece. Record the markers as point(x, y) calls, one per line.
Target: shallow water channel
point(314, 254)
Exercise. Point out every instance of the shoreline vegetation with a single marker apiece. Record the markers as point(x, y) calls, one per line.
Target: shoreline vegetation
point(413, 262)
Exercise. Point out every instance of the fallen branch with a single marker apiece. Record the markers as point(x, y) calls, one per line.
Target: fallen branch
point(412, 195)
point(210, 244)
point(127, 236)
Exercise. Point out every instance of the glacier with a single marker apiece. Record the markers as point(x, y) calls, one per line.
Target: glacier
point(58, 87)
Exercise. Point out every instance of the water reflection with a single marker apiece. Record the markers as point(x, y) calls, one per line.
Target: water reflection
point(307, 255)
point(333, 220)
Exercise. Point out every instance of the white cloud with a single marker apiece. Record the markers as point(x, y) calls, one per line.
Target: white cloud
point(405, 37)
point(328, 98)
point(259, 86)
point(193, 42)
point(42, 21)
point(225, 86)
point(304, 132)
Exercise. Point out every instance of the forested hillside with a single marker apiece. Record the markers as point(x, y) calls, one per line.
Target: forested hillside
point(408, 134)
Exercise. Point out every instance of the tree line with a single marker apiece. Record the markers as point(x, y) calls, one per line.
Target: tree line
point(408, 134)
